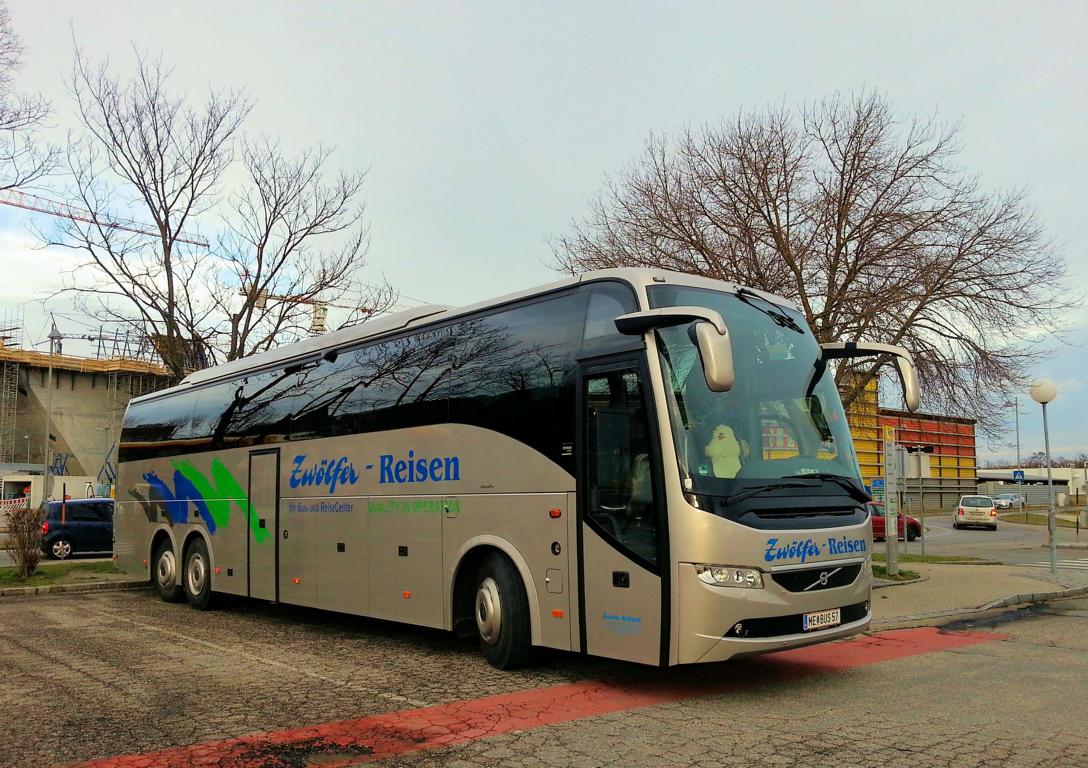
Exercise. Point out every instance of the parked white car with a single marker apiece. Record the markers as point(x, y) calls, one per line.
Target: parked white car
point(975, 510)
point(1007, 501)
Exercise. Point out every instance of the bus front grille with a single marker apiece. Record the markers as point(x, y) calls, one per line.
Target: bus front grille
point(813, 579)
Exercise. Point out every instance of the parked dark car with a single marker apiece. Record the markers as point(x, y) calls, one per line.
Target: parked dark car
point(912, 524)
point(78, 526)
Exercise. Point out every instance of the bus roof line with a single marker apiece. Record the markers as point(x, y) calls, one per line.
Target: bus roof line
point(311, 349)
point(315, 346)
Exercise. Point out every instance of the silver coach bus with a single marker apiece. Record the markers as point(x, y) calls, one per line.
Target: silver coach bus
point(634, 464)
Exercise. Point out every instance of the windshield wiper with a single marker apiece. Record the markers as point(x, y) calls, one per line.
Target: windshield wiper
point(750, 492)
point(780, 318)
point(841, 480)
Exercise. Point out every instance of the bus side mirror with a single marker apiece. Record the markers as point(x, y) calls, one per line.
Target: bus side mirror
point(708, 333)
point(900, 358)
point(716, 354)
point(908, 379)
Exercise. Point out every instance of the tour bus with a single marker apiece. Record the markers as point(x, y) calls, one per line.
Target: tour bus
point(631, 463)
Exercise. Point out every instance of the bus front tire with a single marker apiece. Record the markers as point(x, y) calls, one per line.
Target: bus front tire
point(502, 614)
point(165, 574)
point(197, 577)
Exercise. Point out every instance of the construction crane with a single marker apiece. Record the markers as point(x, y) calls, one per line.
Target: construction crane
point(319, 309)
point(40, 204)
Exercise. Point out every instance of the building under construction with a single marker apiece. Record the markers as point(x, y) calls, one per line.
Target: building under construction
point(89, 395)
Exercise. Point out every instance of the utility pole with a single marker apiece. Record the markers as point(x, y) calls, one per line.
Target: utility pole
point(54, 346)
point(891, 503)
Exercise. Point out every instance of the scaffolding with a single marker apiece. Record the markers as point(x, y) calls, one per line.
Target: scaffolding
point(11, 337)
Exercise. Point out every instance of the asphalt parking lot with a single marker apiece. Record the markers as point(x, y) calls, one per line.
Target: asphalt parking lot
point(125, 680)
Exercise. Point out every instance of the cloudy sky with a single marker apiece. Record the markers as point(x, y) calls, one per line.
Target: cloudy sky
point(487, 126)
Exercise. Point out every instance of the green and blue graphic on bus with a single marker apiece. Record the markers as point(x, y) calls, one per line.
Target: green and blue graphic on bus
point(213, 498)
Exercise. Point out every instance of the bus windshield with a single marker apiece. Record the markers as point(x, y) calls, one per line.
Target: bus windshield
point(783, 417)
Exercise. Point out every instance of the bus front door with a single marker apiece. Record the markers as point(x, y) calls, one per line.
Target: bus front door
point(264, 504)
point(620, 517)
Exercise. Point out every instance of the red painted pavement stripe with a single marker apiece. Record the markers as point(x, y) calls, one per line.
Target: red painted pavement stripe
point(380, 736)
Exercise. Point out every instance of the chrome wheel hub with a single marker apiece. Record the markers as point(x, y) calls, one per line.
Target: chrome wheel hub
point(62, 548)
point(166, 569)
point(196, 573)
point(488, 611)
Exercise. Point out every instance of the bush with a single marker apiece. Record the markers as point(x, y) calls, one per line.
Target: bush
point(24, 542)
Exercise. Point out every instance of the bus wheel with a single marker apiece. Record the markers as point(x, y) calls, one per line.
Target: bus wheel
point(165, 574)
point(198, 575)
point(502, 614)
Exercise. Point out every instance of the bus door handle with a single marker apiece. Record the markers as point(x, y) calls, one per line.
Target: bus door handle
point(621, 579)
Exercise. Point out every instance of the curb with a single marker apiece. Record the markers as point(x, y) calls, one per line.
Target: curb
point(1033, 597)
point(956, 613)
point(97, 586)
point(879, 583)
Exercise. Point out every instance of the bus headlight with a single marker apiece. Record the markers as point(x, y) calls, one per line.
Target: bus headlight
point(729, 576)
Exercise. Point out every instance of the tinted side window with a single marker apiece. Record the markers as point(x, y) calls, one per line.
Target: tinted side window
point(402, 381)
point(84, 513)
point(323, 399)
point(258, 409)
point(210, 405)
point(149, 424)
point(607, 301)
point(513, 374)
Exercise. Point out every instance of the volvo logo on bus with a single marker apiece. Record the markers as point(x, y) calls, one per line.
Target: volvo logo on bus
point(822, 580)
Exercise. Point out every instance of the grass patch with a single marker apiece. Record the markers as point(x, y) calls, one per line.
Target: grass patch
point(878, 557)
point(1037, 518)
point(904, 575)
point(57, 573)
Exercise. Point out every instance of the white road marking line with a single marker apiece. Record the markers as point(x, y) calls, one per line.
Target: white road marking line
point(1078, 565)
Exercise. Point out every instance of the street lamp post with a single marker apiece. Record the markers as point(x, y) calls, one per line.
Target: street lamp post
point(1043, 391)
point(1015, 405)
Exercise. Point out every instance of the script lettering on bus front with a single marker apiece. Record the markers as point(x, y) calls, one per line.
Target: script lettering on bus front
point(807, 549)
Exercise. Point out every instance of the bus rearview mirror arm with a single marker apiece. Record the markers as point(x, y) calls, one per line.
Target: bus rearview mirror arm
point(900, 358)
point(709, 334)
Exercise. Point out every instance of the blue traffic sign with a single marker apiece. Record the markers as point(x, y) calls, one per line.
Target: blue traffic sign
point(878, 483)
point(1018, 475)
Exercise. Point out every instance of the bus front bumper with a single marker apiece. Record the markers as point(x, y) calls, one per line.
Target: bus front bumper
point(719, 623)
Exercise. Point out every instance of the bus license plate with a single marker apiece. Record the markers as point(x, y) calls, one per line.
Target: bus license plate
point(822, 619)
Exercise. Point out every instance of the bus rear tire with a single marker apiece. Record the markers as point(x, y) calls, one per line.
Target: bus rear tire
point(164, 574)
point(197, 577)
point(502, 614)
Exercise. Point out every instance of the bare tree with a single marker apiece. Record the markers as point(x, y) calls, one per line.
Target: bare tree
point(149, 154)
point(146, 151)
point(861, 218)
point(23, 157)
point(269, 249)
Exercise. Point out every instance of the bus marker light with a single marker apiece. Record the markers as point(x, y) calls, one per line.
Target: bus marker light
point(215, 570)
point(406, 595)
point(145, 563)
point(554, 513)
point(296, 581)
point(557, 613)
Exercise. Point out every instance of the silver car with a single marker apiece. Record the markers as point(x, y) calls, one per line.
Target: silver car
point(1006, 501)
point(975, 510)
